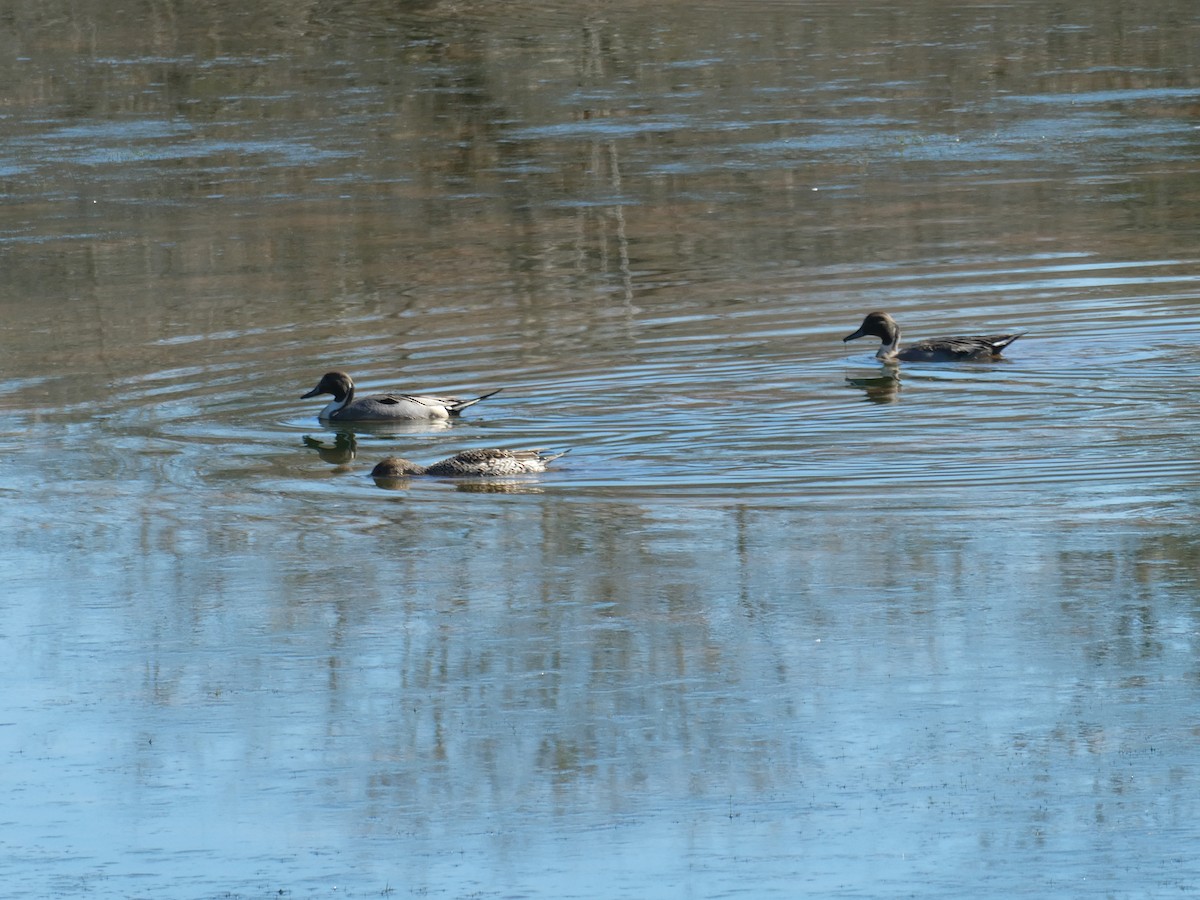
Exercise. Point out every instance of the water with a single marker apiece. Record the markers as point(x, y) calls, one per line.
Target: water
point(783, 622)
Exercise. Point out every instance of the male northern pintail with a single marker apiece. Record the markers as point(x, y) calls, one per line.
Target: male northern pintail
point(947, 349)
point(490, 462)
point(382, 407)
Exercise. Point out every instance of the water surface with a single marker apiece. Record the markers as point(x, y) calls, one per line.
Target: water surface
point(784, 621)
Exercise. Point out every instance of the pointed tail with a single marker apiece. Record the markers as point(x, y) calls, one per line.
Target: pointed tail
point(460, 405)
point(1000, 341)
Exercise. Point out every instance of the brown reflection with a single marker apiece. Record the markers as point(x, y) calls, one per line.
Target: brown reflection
point(474, 486)
point(343, 449)
point(190, 169)
point(883, 388)
point(489, 486)
point(596, 645)
point(1130, 629)
point(393, 484)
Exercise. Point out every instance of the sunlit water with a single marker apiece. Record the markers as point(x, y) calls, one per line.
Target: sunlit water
point(785, 621)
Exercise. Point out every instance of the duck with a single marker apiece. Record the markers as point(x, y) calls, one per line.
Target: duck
point(489, 462)
point(948, 349)
point(383, 407)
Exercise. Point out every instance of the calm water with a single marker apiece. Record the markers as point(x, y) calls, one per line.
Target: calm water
point(785, 622)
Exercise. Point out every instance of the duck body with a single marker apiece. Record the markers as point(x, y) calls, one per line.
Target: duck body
point(490, 462)
point(382, 407)
point(977, 348)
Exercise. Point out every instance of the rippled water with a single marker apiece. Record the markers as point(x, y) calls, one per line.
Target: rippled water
point(784, 620)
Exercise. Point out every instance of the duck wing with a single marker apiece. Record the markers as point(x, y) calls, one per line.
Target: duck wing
point(406, 399)
point(452, 405)
point(493, 461)
point(959, 348)
point(999, 341)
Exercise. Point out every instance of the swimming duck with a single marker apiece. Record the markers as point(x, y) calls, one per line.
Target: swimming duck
point(485, 463)
point(382, 407)
point(948, 349)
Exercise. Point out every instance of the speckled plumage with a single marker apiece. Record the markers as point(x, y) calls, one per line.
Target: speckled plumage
point(484, 463)
point(976, 348)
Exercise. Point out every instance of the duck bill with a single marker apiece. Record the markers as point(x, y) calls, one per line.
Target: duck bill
point(855, 336)
point(313, 393)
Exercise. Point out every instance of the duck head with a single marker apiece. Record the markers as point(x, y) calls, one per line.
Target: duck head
point(395, 467)
point(876, 324)
point(339, 384)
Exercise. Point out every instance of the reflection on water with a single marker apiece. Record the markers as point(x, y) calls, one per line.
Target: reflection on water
point(789, 620)
point(883, 388)
point(343, 450)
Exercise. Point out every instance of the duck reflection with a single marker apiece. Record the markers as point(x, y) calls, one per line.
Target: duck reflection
point(882, 388)
point(400, 428)
point(498, 487)
point(487, 486)
point(343, 450)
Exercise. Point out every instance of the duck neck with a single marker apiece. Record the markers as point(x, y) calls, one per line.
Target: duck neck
point(337, 404)
point(888, 351)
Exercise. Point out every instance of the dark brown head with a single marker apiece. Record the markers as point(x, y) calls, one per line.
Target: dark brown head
point(395, 467)
point(877, 324)
point(339, 384)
